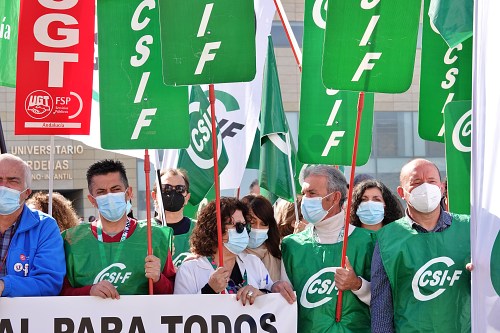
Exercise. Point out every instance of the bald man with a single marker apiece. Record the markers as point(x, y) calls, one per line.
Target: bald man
point(31, 248)
point(418, 278)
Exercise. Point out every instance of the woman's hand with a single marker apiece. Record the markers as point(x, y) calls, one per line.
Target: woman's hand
point(218, 279)
point(248, 293)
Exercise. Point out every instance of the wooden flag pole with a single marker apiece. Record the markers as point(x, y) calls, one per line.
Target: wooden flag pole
point(211, 96)
point(361, 102)
point(297, 53)
point(147, 169)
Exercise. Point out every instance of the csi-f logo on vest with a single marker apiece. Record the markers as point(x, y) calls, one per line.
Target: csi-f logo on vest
point(114, 273)
point(319, 288)
point(433, 278)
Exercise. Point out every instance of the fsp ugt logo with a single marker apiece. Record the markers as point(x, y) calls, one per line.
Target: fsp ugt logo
point(427, 278)
point(318, 288)
point(114, 273)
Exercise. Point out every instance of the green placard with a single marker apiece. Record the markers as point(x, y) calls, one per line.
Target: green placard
point(9, 18)
point(458, 128)
point(370, 45)
point(446, 75)
point(327, 119)
point(136, 109)
point(207, 41)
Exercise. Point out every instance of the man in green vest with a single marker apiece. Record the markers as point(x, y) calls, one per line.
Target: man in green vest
point(175, 196)
point(106, 258)
point(311, 258)
point(419, 280)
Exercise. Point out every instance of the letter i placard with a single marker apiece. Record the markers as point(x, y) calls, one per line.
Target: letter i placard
point(370, 45)
point(208, 41)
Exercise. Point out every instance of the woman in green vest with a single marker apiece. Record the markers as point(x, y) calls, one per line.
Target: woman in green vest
point(374, 205)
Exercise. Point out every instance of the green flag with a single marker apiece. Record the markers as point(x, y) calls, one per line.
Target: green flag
point(207, 41)
point(446, 76)
point(327, 119)
point(254, 157)
point(277, 149)
point(453, 19)
point(197, 159)
point(9, 18)
point(136, 108)
point(458, 128)
point(370, 45)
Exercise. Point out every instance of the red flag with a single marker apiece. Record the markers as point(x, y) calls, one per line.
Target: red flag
point(54, 67)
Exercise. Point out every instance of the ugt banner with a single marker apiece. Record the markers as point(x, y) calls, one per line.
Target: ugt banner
point(327, 119)
point(54, 67)
point(458, 128)
point(370, 45)
point(446, 76)
point(9, 16)
point(207, 42)
point(137, 110)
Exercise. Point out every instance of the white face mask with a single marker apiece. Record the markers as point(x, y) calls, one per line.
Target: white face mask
point(425, 198)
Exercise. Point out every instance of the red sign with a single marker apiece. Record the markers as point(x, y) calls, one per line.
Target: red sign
point(54, 67)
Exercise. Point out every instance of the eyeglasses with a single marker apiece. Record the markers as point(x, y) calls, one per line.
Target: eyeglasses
point(176, 188)
point(240, 226)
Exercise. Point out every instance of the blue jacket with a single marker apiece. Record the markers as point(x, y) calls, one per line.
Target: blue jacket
point(35, 260)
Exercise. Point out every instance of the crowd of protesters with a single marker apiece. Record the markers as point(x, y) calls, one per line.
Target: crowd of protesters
point(267, 248)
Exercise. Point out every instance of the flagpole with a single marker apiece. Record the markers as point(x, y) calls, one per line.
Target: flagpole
point(216, 173)
point(361, 102)
point(297, 53)
point(294, 190)
point(3, 146)
point(147, 169)
point(159, 198)
point(51, 173)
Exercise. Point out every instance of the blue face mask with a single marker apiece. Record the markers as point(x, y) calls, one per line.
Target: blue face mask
point(237, 241)
point(9, 200)
point(312, 209)
point(370, 212)
point(113, 206)
point(257, 237)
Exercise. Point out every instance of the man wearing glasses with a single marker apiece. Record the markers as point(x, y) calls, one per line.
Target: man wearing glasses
point(106, 258)
point(175, 196)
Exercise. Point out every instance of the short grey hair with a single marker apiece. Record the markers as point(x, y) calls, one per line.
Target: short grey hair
point(23, 164)
point(336, 179)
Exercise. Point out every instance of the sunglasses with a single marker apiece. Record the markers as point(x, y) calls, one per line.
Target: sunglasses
point(176, 188)
point(240, 226)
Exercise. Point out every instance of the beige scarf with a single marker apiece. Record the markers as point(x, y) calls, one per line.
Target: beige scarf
point(272, 264)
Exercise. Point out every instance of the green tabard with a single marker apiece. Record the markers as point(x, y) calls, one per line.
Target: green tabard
point(89, 261)
point(430, 285)
point(181, 246)
point(311, 269)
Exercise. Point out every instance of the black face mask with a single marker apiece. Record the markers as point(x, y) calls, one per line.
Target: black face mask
point(172, 201)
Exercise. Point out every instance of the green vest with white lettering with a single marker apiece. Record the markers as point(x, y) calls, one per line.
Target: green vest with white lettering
point(310, 268)
point(430, 285)
point(181, 246)
point(89, 260)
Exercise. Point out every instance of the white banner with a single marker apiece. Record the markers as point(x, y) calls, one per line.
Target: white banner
point(152, 314)
point(238, 123)
point(485, 210)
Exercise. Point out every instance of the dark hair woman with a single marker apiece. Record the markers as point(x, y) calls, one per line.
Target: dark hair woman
point(241, 273)
point(374, 205)
point(264, 235)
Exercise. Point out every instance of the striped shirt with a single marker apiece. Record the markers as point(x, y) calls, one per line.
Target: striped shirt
point(5, 239)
